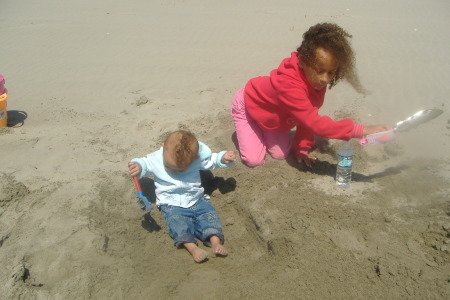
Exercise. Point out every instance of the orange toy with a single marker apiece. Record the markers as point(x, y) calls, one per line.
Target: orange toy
point(3, 113)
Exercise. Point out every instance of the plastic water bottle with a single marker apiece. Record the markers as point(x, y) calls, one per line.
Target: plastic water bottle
point(344, 165)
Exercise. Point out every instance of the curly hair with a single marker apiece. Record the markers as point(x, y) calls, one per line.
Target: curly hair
point(182, 146)
point(334, 39)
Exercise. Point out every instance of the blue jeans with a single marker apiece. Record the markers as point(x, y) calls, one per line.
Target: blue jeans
point(198, 221)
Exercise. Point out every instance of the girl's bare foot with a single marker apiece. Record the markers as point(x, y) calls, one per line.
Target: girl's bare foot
point(217, 248)
point(199, 255)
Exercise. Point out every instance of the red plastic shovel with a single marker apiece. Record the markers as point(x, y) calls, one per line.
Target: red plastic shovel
point(142, 200)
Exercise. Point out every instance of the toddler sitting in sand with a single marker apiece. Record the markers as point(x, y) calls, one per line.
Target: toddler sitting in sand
point(179, 194)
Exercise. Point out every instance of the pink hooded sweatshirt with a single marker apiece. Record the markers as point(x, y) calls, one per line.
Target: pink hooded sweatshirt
point(285, 99)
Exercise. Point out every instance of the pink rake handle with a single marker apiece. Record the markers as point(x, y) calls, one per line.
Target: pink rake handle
point(378, 138)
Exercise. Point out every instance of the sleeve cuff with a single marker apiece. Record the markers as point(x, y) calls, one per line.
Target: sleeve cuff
point(357, 131)
point(219, 160)
point(142, 164)
point(303, 152)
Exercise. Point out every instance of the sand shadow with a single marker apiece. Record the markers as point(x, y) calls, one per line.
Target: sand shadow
point(387, 172)
point(234, 140)
point(148, 190)
point(326, 168)
point(149, 224)
point(211, 183)
point(16, 118)
point(319, 167)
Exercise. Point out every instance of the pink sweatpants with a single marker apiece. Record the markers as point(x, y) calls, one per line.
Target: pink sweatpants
point(253, 141)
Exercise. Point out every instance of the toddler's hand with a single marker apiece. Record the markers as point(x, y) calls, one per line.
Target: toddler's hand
point(228, 157)
point(374, 129)
point(307, 159)
point(134, 169)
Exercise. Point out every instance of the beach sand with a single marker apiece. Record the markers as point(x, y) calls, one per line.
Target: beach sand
point(93, 84)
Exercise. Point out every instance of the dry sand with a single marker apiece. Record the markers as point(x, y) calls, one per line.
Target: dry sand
point(93, 84)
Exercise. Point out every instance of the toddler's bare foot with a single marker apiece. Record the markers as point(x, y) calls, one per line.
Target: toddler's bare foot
point(199, 255)
point(217, 248)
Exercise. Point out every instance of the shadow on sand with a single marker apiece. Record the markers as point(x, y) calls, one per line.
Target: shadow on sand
point(328, 169)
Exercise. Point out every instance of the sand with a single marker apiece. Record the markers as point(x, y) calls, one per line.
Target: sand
point(92, 84)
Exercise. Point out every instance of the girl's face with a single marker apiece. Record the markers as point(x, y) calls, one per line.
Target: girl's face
point(320, 72)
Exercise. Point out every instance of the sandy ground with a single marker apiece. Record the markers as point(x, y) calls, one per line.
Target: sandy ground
point(93, 84)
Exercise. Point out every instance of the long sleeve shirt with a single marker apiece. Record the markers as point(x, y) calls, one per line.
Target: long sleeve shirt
point(285, 100)
point(181, 189)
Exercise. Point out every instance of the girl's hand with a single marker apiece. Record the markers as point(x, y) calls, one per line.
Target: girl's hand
point(307, 159)
point(134, 169)
point(228, 157)
point(374, 129)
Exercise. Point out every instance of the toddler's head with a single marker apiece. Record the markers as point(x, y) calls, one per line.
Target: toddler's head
point(180, 149)
point(333, 39)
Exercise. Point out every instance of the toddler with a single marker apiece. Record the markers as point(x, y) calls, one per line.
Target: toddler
point(179, 194)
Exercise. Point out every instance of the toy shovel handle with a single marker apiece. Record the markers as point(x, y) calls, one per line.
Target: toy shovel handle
point(142, 200)
point(378, 138)
point(137, 184)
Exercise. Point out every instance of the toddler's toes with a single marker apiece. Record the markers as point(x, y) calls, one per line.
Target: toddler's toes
point(219, 251)
point(199, 255)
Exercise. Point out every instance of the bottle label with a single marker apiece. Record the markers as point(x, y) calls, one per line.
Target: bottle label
point(345, 161)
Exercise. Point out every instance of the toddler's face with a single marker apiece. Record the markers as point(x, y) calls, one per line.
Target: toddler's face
point(320, 73)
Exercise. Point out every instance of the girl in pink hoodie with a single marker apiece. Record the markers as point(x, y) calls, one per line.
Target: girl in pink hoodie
point(268, 107)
